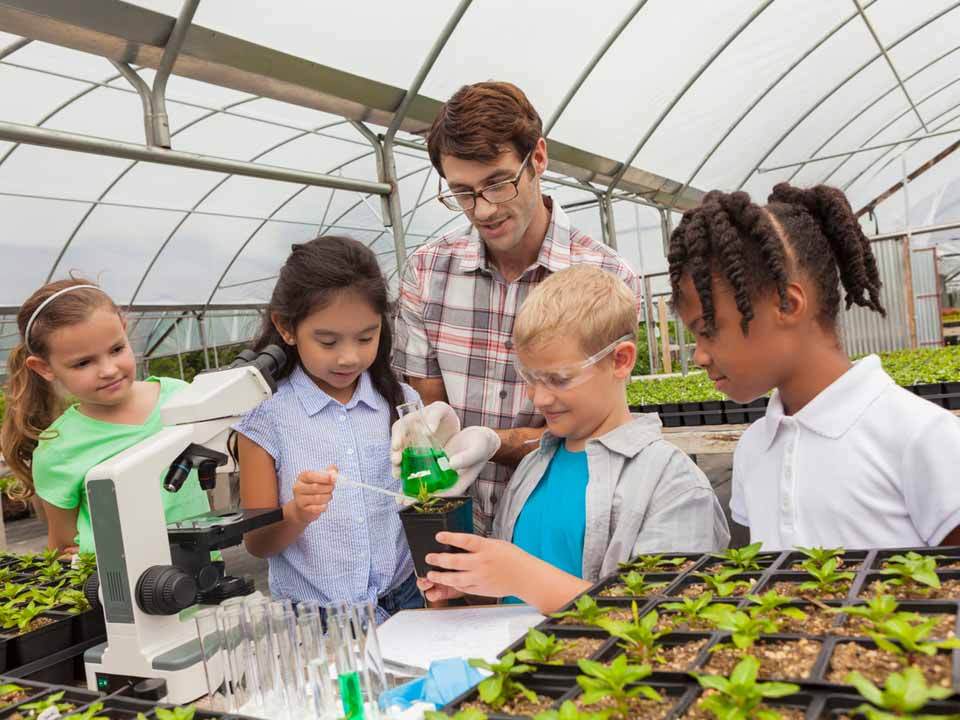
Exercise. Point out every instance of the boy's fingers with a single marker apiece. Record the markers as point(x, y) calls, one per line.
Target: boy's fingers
point(464, 541)
point(456, 580)
point(449, 561)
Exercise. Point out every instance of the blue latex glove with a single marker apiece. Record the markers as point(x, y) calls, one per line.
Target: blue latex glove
point(444, 681)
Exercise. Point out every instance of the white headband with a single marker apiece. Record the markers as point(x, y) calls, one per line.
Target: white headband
point(58, 293)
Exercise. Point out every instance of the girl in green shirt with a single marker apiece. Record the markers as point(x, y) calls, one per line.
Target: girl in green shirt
point(74, 344)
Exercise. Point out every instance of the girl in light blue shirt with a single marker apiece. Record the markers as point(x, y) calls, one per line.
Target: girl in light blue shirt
point(330, 416)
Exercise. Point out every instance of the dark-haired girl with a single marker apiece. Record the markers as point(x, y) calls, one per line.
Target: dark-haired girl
point(330, 416)
point(843, 456)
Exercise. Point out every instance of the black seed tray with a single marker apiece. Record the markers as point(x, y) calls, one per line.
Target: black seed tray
point(835, 706)
point(564, 632)
point(679, 694)
point(551, 624)
point(822, 669)
point(672, 580)
point(555, 687)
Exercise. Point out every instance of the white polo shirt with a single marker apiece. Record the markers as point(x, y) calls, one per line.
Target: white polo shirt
point(864, 464)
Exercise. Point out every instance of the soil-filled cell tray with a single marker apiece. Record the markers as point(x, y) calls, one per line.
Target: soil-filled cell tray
point(797, 585)
point(874, 584)
point(733, 588)
point(782, 657)
point(573, 644)
point(852, 560)
point(590, 611)
point(652, 585)
point(843, 656)
point(548, 695)
point(673, 698)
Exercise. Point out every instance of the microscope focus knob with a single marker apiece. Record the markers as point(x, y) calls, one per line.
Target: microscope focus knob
point(165, 590)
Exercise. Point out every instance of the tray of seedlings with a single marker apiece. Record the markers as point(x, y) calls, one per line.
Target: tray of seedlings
point(803, 634)
point(43, 609)
point(28, 700)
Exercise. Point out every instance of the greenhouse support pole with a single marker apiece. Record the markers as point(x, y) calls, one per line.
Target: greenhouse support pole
point(666, 228)
point(203, 340)
point(908, 258)
point(176, 336)
point(159, 120)
point(609, 225)
point(645, 306)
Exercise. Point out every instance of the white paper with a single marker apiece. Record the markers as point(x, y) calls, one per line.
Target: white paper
point(418, 637)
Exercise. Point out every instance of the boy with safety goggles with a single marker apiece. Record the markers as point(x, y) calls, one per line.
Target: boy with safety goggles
point(603, 485)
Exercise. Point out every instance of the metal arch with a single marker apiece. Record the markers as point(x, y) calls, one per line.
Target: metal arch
point(780, 78)
point(436, 230)
point(358, 203)
point(14, 46)
point(159, 122)
point(199, 202)
point(585, 73)
point(877, 99)
point(113, 184)
point(895, 119)
point(839, 85)
point(146, 99)
point(886, 56)
point(683, 91)
point(883, 155)
point(417, 204)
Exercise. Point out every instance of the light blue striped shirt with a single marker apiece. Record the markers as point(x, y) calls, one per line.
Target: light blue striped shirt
point(356, 550)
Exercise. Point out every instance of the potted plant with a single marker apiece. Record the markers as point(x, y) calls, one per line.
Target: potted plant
point(741, 697)
point(540, 648)
point(632, 584)
point(503, 693)
point(824, 582)
point(429, 515)
point(616, 688)
point(659, 564)
point(694, 613)
point(726, 583)
point(586, 611)
point(642, 638)
point(904, 695)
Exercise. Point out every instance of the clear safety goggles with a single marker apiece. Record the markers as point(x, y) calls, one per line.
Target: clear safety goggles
point(564, 378)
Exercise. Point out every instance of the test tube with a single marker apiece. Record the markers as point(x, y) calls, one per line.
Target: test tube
point(258, 616)
point(235, 647)
point(208, 634)
point(283, 624)
point(364, 619)
point(353, 682)
point(313, 653)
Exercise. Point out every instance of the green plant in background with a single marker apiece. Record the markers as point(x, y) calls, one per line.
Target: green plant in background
point(177, 713)
point(744, 558)
point(901, 636)
point(652, 563)
point(912, 567)
point(740, 696)
point(569, 711)
point(502, 686)
point(33, 709)
point(91, 713)
point(640, 636)
point(876, 611)
point(818, 555)
point(585, 612)
point(541, 648)
point(637, 584)
point(722, 584)
point(468, 714)
point(678, 389)
point(902, 696)
point(698, 610)
point(9, 693)
point(745, 629)
point(827, 579)
point(618, 683)
point(772, 604)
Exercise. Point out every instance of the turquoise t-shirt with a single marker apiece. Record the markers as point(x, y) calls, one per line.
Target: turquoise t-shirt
point(553, 521)
point(74, 443)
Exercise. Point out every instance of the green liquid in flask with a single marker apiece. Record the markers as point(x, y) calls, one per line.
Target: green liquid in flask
point(428, 465)
point(351, 696)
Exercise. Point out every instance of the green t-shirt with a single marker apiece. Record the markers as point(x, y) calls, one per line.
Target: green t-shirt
point(78, 443)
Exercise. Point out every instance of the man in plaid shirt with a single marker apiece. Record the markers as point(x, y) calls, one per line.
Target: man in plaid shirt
point(459, 294)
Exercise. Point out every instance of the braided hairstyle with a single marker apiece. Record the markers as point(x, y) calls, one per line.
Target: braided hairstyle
point(755, 248)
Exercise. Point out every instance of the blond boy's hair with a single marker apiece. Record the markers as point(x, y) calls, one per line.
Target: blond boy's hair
point(582, 303)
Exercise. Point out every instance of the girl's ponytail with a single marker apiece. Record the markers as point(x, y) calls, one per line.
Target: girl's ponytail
point(32, 404)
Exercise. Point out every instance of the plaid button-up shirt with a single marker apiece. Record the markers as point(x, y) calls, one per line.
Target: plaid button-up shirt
point(455, 321)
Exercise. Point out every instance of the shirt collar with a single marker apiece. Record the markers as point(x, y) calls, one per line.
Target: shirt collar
point(314, 400)
point(838, 407)
point(627, 439)
point(554, 252)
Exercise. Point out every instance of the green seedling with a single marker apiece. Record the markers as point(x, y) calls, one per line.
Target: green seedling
point(585, 612)
point(744, 558)
point(722, 583)
point(740, 696)
point(75, 600)
point(819, 555)
point(46, 596)
point(745, 629)
point(468, 714)
point(912, 567)
point(502, 686)
point(9, 693)
point(900, 636)
point(426, 501)
point(827, 579)
point(91, 713)
point(876, 611)
point(569, 711)
point(50, 701)
point(640, 636)
point(176, 713)
point(618, 682)
point(652, 563)
point(698, 610)
point(540, 648)
point(22, 618)
point(772, 605)
point(902, 696)
point(10, 590)
point(637, 584)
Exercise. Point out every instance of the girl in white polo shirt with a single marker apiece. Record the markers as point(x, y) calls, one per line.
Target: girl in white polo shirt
point(843, 456)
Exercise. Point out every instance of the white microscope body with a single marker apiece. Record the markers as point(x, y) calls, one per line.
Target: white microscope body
point(145, 599)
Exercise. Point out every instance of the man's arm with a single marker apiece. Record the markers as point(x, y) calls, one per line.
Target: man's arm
point(429, 389)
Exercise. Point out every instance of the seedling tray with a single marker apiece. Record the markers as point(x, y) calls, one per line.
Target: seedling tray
point(567, 632)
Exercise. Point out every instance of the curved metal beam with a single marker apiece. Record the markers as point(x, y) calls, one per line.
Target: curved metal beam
point(683, 91)
point(146, 100)
point(866, 108)
point(159, 121)
point(199, 202)
point(776, 82)
point(839, 85)
point(597, 57)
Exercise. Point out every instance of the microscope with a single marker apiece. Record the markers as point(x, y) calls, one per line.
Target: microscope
point(151, 574)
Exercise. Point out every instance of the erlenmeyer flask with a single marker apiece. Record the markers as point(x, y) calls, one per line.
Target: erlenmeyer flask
point(423, 462)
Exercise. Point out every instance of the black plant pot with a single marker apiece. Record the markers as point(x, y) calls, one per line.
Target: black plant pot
point(43, 641)
point(421, 530)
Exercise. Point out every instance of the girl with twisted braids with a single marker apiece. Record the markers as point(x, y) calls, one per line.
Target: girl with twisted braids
point(843, 455)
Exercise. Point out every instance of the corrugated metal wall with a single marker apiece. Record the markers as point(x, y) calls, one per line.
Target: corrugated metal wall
point(864, 331)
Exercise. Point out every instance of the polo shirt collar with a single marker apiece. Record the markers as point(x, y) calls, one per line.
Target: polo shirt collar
point(838, 407)
point(627, 440)
point(314, 400)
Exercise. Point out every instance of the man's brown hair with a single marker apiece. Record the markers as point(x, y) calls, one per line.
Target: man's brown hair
point(480, 119)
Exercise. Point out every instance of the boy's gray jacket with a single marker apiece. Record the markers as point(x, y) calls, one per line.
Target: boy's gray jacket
point(643, 496)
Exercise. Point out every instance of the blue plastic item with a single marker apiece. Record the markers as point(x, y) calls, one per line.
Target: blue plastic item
point(444, 681)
